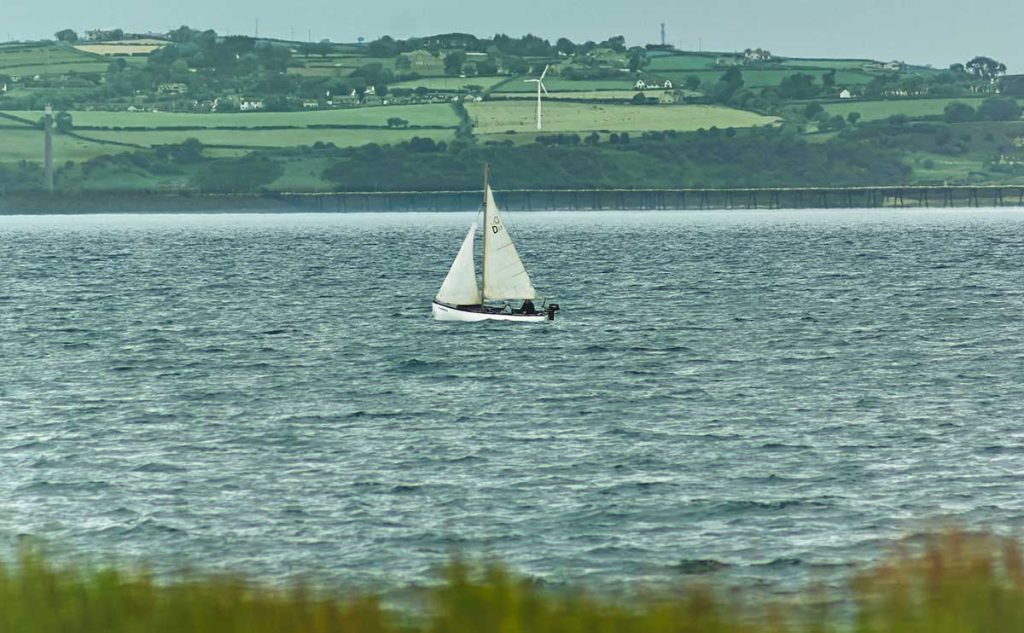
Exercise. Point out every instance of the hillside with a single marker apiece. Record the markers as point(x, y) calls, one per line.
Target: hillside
point(142, 112)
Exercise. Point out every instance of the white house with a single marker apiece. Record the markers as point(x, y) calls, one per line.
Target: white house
point(249, 105)
point(757, 55)
point(845, 94)
point(100, 35)
point(653, 84)
point(172, 89)
point(420, 58)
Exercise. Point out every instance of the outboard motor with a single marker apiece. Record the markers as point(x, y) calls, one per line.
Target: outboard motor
point(552, 309)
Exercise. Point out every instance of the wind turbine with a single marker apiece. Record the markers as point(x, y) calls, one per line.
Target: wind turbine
point(540, 86)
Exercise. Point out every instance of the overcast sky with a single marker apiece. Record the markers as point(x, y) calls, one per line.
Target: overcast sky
point(937, 32)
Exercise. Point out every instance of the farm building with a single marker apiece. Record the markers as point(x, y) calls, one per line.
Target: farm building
point(102, 35)
point(757, 55)
point(653, 84)
point(420, 58)
point(172, 89)
point(894, 65)
point(845, 94)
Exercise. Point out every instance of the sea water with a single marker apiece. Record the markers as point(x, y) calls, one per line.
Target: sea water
point(763, 394)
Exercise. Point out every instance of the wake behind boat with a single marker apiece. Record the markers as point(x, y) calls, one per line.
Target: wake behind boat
point(504, 278)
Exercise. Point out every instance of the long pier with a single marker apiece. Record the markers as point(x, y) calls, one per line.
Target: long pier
point(895, 197)
point(684, 199)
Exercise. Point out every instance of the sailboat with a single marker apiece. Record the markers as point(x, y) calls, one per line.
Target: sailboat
point(504, 278)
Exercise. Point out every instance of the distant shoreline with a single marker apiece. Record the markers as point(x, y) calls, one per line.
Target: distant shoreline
point(891, 196)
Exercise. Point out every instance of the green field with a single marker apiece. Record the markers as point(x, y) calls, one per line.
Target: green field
point(449, 83)
point(350, 62)
point(427, 114)
point(63, 68)
point(43, 53)
point(875, 110)
point(334, 65)
point(590, 95)
point(27, 144)
point(49, 59)
point(319, 71)
point(945, 169)
point(300, 174)
point(557, 84)
point(265, 138)
point(796, 63)
point(757, 78)
point(303, 174)
point(693, 61)
point(500, 117)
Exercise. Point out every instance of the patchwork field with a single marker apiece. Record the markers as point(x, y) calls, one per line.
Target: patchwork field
point(622, 96)
point(794, 64)
point(27, 144)
point(439, 114)
point(591, 95)
point(874, 110)
point(752, 78)
point(47, 59)
point(660, 63)
point(557, 84)
point(519, 116)
point(127, 47)
point(449, 83)
point(334, 65)
point(758, 78)
point(264, 138)
point(63, 68)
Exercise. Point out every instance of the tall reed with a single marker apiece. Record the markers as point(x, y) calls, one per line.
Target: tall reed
point(951, 583)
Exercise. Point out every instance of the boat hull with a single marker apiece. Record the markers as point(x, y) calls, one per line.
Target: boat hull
point(443, 312)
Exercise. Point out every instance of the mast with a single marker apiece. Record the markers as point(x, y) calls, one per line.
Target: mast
point(483, 262)
point(48, 148)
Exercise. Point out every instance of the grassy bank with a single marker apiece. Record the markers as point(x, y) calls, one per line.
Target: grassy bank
point(951, 584)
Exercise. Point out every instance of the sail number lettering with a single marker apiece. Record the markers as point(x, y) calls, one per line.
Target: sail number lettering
point(495, 225)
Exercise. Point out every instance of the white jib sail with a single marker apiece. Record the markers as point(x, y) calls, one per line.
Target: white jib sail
point(505, 276)
point(459, 287)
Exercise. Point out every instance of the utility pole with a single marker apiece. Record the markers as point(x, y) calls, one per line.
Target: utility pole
point(48, 148)
point(662, 33)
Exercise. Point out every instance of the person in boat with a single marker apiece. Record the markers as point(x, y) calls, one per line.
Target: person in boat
point(528, 307)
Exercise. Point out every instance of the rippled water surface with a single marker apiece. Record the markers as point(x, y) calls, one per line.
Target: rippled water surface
point(771, 393)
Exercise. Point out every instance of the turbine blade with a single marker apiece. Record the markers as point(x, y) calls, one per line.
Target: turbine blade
point(543, 87)
point(544, 73)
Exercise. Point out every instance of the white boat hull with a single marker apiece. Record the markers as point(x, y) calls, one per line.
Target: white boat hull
point(444, 312)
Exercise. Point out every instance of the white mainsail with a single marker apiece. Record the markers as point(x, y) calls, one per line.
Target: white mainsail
point(505, 277)
point(459, 287)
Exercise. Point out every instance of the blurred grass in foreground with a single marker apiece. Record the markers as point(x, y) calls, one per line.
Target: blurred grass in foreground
point(954, 583)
